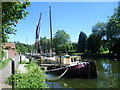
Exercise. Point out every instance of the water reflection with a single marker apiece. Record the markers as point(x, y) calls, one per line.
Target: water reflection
point(107, 73)
point(108, 76)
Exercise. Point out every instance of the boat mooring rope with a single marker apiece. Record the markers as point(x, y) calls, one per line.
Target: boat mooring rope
point(57, 78)
point(55, 69)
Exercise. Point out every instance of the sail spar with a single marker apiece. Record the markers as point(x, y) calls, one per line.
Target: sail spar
point(37, 35)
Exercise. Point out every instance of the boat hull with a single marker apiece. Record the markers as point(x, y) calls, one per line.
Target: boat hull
point(78, 71)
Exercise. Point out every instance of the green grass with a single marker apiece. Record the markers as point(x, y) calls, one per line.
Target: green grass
point(4, 63)
point(72, 51)
point(104, 52)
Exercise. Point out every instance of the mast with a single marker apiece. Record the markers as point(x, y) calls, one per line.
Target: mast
point(51, 51)
point(37, 34)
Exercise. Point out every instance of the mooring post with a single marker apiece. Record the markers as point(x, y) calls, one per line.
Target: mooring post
point(20, 58)
point(30, 59)
point(60, 62)
point(13, 72)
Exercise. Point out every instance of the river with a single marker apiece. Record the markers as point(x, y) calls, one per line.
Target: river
point(108, 76)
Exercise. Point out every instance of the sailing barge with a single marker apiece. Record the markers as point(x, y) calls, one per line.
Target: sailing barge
point(76, 68)
point(70, 66)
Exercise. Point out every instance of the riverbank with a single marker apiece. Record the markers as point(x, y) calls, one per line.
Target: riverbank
point(108, 56)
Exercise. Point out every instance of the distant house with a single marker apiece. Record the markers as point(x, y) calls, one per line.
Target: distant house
point(10, 49)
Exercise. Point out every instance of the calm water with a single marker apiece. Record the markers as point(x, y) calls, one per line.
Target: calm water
point(108, 77)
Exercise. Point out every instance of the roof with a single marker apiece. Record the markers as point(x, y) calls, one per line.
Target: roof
point(11, 45)
point(73, 56)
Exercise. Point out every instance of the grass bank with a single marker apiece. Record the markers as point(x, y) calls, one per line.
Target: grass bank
point(4, 63)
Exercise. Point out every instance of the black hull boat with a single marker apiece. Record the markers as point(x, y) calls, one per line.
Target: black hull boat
point(80, 70)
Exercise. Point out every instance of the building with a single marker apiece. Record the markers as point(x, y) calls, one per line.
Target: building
point(10, 49)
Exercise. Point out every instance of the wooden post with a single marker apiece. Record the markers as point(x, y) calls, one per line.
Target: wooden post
point(30, 59)
point(13, 72)
point(60, 61)
point(20, 58)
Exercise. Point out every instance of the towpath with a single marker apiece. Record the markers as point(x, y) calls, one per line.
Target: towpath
point(6, 72)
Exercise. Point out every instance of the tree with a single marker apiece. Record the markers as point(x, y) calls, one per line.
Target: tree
point(60, 39)
point(99, 29)
point(11, 13)
point(93, 43)
point(24, 48)
point(116, 47)
point(44, 44)
point(113, 29)
point(82, 42)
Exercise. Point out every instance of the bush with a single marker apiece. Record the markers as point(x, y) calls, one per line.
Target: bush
point(23, 62)
point(32, 79)
point(2, 54)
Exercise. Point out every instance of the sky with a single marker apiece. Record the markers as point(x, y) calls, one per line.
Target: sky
point(73, 17)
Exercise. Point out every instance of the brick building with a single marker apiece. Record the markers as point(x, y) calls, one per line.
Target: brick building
point(11, 49)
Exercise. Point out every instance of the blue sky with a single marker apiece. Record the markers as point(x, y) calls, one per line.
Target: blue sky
point(73, 17)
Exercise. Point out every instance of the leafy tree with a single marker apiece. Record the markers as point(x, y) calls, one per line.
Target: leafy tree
point(60, 40)
point(82, 42)
point(74, 46)
point(113, 29)
point(116, 47)
point(23, 48)
point(93, 43)
point(99, 29)
point(44, 44)
point(11, 13)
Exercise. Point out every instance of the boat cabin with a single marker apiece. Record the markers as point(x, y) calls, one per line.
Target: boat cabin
point(67, 59)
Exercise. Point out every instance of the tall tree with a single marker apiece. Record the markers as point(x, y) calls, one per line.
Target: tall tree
point(44, 44)
point(60, 39)
point(93, 43)
point(11, 13)
point(113, 29)
point(24, 48)
point(99, 29)
point(82, 42)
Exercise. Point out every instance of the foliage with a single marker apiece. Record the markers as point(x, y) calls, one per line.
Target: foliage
point(116, 47)
point(99, 29)
point(11, 13)
point(8, 47)
point(44, 44)
point(23, 62)
point(32, 79)
point(23, 48)
point(61, 40)
point(73, 46)
point(82, 42)
point(113, 29)
point(31, 66)
point(2, 54)
point(4, 63)
point(93, 43)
